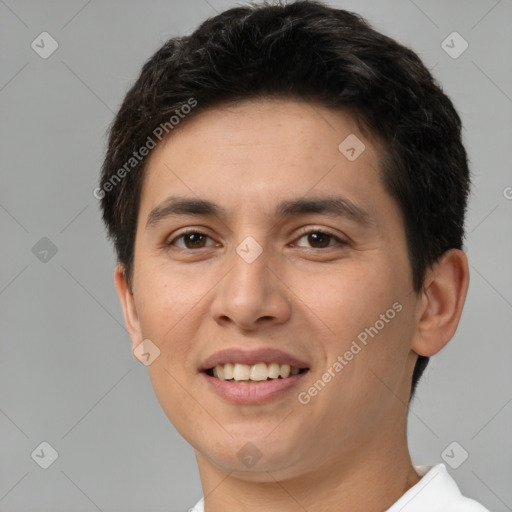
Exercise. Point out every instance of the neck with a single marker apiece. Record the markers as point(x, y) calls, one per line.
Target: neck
point(368, 479)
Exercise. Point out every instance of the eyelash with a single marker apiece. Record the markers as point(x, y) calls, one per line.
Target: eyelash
point(301, 235)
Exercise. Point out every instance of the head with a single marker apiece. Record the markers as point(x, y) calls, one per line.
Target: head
point(260, 106)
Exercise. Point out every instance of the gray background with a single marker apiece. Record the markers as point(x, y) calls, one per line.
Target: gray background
point(67, 373)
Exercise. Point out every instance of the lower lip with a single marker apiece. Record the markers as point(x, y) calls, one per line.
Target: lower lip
point(253, 392)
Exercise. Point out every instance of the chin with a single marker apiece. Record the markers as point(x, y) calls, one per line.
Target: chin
point(253, 458)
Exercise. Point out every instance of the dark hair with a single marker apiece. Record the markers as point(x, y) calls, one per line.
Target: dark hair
point(308, 51)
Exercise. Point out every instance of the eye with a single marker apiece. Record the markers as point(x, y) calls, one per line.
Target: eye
point(320, 239)
point(317, 238)
point(192, 239)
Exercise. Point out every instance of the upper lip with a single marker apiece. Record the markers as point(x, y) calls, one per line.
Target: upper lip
point(265, 355)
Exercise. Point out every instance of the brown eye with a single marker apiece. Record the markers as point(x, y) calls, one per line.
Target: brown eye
point(317, 239)
point(191, 240)
point(194, 240)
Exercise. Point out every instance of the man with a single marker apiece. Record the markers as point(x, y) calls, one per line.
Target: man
point(286, 191)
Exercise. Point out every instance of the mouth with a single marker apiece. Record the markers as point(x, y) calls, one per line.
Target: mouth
point(241, 373)
point(257, 384)
point(253, 377)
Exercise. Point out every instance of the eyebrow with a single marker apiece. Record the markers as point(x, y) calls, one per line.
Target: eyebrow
point(333, 206)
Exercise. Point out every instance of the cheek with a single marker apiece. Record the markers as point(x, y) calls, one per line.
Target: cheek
point(168, 307)
point(369, 323)
point(165, 298)
point(348, 300)
point(171, 391)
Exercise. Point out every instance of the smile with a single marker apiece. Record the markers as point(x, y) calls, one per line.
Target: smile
point(239, 372)
point(247, 391)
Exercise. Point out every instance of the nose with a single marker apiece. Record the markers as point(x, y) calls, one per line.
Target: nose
point(251, 295)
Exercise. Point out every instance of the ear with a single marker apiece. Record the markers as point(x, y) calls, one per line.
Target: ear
point(442, 299)
point(131, 317)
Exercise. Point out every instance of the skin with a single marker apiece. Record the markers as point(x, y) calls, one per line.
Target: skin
point(347, 448)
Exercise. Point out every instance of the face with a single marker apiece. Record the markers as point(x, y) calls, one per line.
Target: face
point(297, 254)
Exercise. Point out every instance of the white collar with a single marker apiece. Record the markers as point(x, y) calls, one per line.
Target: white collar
point(435, 492)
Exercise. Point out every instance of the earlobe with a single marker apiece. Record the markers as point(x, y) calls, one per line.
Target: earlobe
point(126, 297)
point(443, 297)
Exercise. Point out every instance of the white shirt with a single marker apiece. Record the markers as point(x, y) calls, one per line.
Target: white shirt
point(435, 492)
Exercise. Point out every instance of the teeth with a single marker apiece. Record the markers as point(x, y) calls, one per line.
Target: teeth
point(241, 372)
point(228, 371)
point(256, 372)
point(284, 371)
point(273, 370)
point(218, 372)
point(259, 372)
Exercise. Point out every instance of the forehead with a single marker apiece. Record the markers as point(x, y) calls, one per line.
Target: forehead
point(304, 127)
point(257, 152)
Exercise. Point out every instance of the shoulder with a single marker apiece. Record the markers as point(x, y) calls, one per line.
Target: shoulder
point(437, 491)
point(198, 507)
